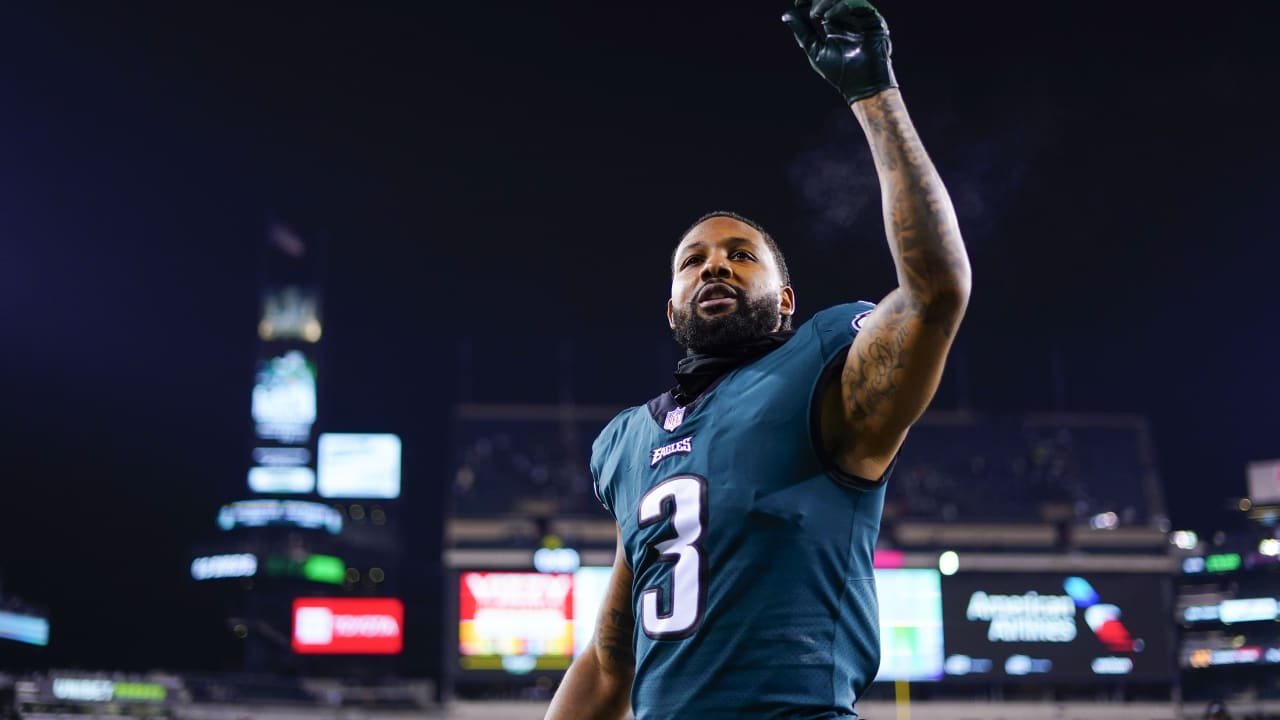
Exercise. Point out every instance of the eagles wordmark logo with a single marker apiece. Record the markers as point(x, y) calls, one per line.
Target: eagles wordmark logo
point(683, 446)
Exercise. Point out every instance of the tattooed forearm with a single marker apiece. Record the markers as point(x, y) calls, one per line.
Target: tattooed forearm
point(896, 360)
point(924, 237)
point(614, 634)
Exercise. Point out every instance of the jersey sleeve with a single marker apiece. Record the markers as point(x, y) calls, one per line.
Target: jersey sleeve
point(836, 328)
point(604, 464)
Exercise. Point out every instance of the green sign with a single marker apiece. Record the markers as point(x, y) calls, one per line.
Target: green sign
point(316, 568)
point(148, 692)
point(325, 569)
point(1225, 562)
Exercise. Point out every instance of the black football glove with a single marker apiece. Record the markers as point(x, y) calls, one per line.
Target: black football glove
point(847, 42)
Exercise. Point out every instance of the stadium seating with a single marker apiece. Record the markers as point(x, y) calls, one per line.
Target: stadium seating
point(954, 467)
point(1025, 469)
point(524, 467)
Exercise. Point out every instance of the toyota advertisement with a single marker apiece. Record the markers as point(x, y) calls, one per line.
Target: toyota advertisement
point(334, 626)
point(1060, 627)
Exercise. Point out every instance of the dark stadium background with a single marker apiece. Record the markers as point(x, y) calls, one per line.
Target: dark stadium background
point(510, 178)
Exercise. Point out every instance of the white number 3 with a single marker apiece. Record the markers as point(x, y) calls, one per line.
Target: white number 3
point(682, 499)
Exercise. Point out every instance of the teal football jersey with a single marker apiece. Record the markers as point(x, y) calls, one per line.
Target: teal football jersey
point(752, 557)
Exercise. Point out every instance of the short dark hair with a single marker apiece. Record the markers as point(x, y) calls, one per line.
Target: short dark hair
point(768, 240)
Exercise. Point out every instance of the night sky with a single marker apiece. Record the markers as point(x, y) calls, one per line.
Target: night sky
point(510, 178)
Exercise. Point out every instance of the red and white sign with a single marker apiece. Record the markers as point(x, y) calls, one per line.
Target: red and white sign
point(356, 626)
point(515, 613)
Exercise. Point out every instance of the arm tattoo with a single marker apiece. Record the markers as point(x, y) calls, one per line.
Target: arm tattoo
point(614, 636)
point(924, 237)
point(870, 381)
point(895, 363)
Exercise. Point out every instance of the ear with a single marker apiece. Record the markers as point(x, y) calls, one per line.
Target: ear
point(787, 301)
point(671, 314)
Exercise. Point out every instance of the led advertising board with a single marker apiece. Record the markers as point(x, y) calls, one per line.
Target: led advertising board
point(515, 621)
point(348, 626)
point(231, 565)
point(911, 642)
point(27, 629)
point(316, 568)
point(1229, 620)
point(1217, 563)
point(1234, 610)
point(284, 397)
point(358, 465)
point(1264, 482)
point(1056, 627)
point(1241, 646)
point(589, 587)
point(288, 513)
point(282, 479)
point(101, 690)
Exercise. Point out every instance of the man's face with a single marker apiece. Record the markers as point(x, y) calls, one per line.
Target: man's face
point(725, 287)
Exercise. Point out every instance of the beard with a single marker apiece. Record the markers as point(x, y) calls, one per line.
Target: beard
point(749, 320)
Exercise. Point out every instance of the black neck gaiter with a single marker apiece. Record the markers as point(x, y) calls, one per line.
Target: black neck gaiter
point(695, 373)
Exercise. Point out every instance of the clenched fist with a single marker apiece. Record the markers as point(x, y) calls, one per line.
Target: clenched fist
point(847, 42)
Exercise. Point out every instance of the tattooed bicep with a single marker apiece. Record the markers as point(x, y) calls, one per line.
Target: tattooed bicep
point(871, 372)
point(890, 374)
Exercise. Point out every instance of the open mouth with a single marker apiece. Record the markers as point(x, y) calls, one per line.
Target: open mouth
point(716, 296)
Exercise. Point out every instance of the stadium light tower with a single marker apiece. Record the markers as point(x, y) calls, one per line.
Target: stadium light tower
point(307, 548)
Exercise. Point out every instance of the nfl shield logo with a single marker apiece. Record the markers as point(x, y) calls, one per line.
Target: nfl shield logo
point(674, 418)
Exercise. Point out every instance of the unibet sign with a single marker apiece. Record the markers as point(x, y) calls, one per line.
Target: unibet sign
point(97, 690)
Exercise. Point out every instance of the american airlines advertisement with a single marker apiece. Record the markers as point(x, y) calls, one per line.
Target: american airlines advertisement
point(1059, 627)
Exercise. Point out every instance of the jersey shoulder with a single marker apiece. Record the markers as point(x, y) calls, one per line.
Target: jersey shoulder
point(834, 328)
point(607, 451)
point(845, 316)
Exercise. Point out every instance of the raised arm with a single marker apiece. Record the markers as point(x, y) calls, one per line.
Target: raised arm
point(598, 683)
point(895, 363)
